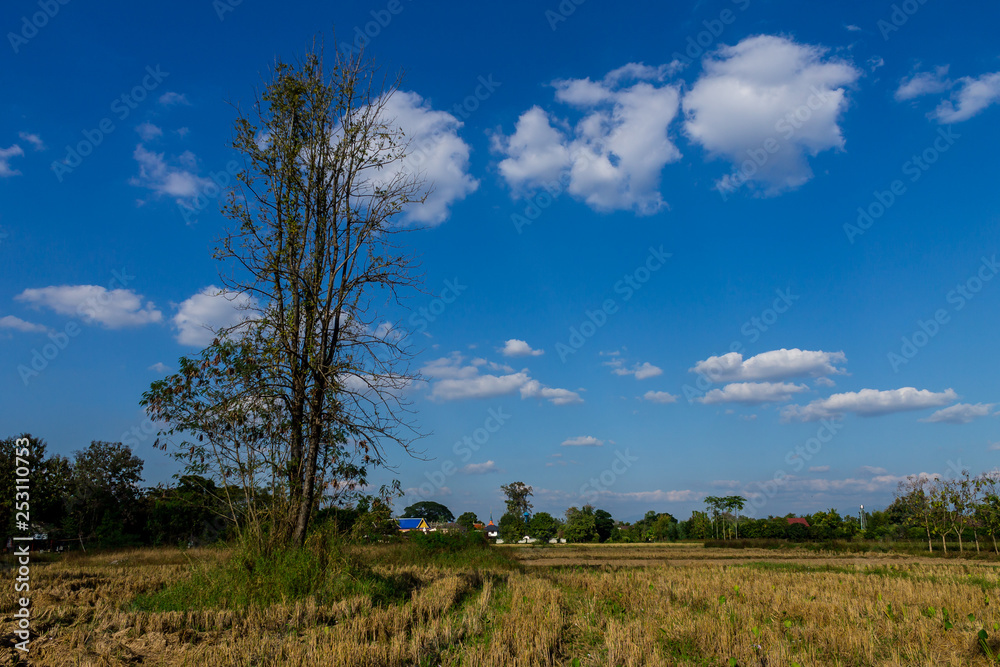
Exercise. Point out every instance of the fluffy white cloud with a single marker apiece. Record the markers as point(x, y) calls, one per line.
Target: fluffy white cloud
point(114, 309)
point(451, 380)
point(179, 182)
point(613, 157)
point(582, 441)
point(33, 139)
point(211, 309)
point(753, 392)
point(765, 105)
point(924, 83)
point(159, 367)
point(640, 371)
point(535, 389)
point(659, 397)
point(435, 153)
point(479, 386)
point(148, 131)
point(780, 364)
point(961, 413)
point(479, 468)
point(5, 155)
point(519, 348)
point(17, 324)
point(868, 403)
point(973, 95)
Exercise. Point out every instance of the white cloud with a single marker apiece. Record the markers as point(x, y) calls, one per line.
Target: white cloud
point(453, 381)
point(613, 157)
point(869, 402)
point(5, 155)
point(159, 367)
point(780, 364)
point(537, 153)
point(582, 441)
point(974, 95)
point(873, 470)
point(33, 139)
point(852, 28)
point(819, 468)
point(179, 182)
point(420, 492)
point(771, 99)
point(480, 468)
point(519, 348)
point(961, 413)
point(172, 98)
point(995, 446)
point(17, 324)
point(148, 131)
point(640, 371)
point(753, 392)
point(923, 83)
point(211, 309)
point(479, 386)
point(450, 368)
point(534, 389)
point(659, 397)
point(114, 309)
point(436, 153)
point(657, 496)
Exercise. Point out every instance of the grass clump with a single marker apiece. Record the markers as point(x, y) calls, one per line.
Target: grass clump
point(253, 577)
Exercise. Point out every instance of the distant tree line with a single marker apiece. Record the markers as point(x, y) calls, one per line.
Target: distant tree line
point(95, 499)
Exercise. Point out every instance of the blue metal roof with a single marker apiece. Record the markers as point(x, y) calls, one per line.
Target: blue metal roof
point(410, 524)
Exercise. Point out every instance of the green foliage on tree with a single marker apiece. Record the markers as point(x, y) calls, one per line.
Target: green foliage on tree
point(517, 497)
point(430, 511)
point(48, 479)
point(543, 526)
point(103, 494)
point(468, 520)
point(512, 527)
point(374, 522)
point(604, 524)
point(581, 525)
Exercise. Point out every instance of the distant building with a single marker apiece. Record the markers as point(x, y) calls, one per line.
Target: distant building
point(406, 525)
point(492, 530)
point(797, 519)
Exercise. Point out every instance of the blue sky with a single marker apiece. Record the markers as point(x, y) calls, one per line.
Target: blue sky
point(741, 247)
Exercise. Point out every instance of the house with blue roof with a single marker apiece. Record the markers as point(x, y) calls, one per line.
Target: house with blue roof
point(406, 525)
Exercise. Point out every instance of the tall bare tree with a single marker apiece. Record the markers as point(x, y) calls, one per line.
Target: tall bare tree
point(312, 258)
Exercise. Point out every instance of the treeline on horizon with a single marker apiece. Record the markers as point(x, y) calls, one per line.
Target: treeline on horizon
point(95, 499)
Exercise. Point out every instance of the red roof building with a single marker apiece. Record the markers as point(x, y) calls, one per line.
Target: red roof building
point(798, 519)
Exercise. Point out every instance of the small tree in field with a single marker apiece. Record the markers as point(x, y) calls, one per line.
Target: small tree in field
point(517, 497)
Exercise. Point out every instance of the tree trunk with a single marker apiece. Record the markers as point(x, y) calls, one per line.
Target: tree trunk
point(944, 545)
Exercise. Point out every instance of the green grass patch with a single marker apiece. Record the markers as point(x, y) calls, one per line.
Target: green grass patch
point(325, 569)
point(247, 580)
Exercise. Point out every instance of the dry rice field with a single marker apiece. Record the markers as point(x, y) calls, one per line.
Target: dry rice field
point(562, 605)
